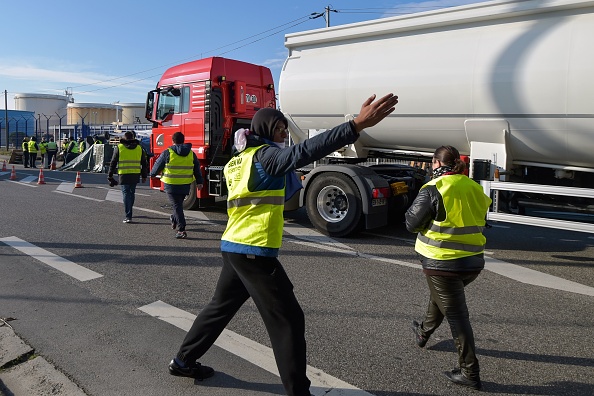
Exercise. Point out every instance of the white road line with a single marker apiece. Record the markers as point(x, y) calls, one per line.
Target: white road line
point(114, 196)
point(511, 271)
point(410, 241)
point(61, 264)
point(22, 184)
point(4, 173)
point(532, 277)
point(78, 196)
point(322, 384)
point(29, 179)
point(65, 187)
point(314, 236)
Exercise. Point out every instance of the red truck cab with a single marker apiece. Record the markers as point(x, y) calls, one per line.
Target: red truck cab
point(207, 100)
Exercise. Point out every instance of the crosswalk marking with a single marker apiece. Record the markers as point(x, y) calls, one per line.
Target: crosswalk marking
point(322, 384)
point(78, 196)
point(61, 264)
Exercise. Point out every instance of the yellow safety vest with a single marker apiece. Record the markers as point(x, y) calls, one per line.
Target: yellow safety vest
point(255, 217)
point(43, 147)
point(52, 146)
point(179, 169)
point(26, 146)
point(82, 146)
point(32, 148)
point(461, 233)
point(129, 160)
point(74, 147)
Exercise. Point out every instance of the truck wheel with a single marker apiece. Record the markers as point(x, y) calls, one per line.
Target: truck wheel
point(191, 200)
point(333, 206)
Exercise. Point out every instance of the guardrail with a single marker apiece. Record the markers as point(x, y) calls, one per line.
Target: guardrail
point(495, 215)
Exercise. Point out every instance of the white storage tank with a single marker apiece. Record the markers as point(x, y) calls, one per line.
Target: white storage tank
point(44, 106)
point(91, 113)
point(132, 113)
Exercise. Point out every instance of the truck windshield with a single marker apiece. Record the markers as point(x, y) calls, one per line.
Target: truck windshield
point(172, 101)
point(169, 103)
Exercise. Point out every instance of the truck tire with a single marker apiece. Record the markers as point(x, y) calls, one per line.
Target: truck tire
point(191, 200)
point(333, 206)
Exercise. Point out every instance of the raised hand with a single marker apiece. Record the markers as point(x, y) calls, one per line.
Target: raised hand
point(373, 112)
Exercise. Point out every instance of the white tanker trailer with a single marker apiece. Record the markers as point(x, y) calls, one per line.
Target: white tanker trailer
point(509, 83)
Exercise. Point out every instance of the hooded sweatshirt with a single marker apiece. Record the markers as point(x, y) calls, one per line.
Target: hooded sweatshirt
point(183, 150)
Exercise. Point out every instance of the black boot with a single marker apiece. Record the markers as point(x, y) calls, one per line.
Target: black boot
point(457, 377)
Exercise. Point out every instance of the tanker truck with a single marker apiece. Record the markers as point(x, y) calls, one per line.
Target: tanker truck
point(508, 83)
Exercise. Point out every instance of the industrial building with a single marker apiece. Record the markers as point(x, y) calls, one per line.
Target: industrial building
point(59, 116)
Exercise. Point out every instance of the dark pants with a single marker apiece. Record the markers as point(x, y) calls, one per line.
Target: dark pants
point(26, 159)
point(177, 203)
point(50, 157)
point(128, 193)
point(265, 280)
point(32, 160)
point(447, 299)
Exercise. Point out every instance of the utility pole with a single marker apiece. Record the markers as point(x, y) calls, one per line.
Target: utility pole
point(6, 117)
point(327, 17)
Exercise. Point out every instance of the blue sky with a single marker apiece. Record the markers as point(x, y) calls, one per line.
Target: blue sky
point(107, 51)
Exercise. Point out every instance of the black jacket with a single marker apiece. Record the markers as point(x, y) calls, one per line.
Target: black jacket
point(129, 178)
point(278, 162)
point(426, 207)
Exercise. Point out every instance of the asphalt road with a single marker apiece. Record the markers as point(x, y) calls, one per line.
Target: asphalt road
point(359, 296)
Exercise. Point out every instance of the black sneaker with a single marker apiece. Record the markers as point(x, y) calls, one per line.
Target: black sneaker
point(173, 223)
point(458, 378)
point(181, 235)
point(195, 370)
point(420, 339)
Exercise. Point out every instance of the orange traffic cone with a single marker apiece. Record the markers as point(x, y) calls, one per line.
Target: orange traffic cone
point(41, 179)
point(4, 166)
point(78, 183)
point(53, 165)
point(13, 174)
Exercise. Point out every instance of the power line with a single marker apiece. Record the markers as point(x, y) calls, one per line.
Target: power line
point(275, 30)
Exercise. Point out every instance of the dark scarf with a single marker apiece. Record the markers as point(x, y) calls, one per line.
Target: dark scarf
point(442, 170)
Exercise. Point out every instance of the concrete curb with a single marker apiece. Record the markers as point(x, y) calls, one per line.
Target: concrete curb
point(23, 374)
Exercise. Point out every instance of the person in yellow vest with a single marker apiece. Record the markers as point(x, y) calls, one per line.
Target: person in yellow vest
point(97, 140)
point(449, 216)
point(25, 147)
point(180, 168)
point(71, 150)
point(42, 150)
point(129, 160)
point(260, 177)
point(52, 151)
point(33, 149)
point(82, 145)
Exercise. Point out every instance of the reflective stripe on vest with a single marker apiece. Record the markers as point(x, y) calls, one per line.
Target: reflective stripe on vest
point(255, 217)
point(129, 160)
point(179, 169)
point(460, 234)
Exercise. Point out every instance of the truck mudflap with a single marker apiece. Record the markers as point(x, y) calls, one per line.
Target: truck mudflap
point(343, 199)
